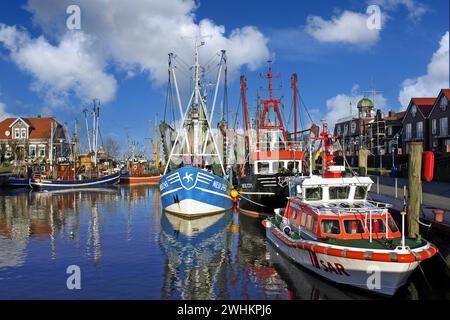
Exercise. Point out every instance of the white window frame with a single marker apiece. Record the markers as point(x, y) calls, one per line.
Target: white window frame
point(389, 130)
point(32, 148)
point(23, 133)
point(353, 127)
point(408, 129)
point(443, 130)
point(419, 130)
point(443, 103)
point(16, 133)
point(40, 148)
point(433, 126)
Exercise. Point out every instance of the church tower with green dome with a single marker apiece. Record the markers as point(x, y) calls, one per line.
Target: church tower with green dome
point(365, 108)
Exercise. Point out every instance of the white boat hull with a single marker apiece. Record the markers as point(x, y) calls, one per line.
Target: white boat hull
point(379, 277)
point(193, 208)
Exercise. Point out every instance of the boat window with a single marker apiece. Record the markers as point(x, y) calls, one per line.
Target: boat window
point(330, 226)
point(303, 222)
point(360, 193)
point(339, 193)
point(313, 194)
point(378, 226)
point(278, 166)
point(392, 225)
point(309, 225)
point(314, 225)
point(291, 166)
point(263, 167)
point(353, 226)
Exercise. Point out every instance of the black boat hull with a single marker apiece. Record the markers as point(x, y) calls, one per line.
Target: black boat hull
point(259, 195)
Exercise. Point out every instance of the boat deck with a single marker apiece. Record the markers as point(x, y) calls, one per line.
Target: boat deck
point(376, 244)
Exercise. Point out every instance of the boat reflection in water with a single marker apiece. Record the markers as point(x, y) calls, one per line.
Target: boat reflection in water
point(306, 286)
point(128, 249)
point(196, 252)
point(49, 215)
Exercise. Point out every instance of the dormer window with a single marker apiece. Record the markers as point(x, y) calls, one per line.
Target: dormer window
point(16, 133)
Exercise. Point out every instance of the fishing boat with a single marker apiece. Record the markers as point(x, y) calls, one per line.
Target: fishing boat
point(139, 169)
point(194, 184)
point(272, 155)
point(140, 172)
point(103, 181)
point(331, 228)
point(89, 171)
point(14, 182)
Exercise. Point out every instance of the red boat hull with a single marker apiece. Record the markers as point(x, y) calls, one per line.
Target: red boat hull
point(141, 179)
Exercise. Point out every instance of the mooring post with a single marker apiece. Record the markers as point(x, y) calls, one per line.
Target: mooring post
point(396, 191)
point(378, 184)
point(362, 161)
point(414, 187)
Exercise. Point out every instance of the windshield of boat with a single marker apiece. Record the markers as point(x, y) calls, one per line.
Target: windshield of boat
point(330, 226)
point(313, 194)
point(360, 193)
point(354, 226)
point(339, 193)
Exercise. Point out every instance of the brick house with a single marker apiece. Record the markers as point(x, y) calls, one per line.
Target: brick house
point(416, 122)
point(394, 127)
point(27, 140)
point(439, 138)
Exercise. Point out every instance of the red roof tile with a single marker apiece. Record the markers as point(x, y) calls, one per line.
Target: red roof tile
point(446, 92)
point(425, 105)
point(40, 127)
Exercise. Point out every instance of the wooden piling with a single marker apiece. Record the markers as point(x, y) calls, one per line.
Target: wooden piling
point(414, 187)
point(362, 161)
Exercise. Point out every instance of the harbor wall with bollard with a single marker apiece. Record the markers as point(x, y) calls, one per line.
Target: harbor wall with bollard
point(427, 212)
point(441, 165)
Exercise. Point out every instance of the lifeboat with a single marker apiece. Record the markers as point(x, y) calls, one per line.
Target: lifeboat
point(331, 228)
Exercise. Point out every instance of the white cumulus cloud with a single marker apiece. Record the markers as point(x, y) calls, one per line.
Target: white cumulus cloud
point(58, 70)
point(128, 37)
point(137, 35)
point(415, 8)
point(348, 27)
point(3, 113)
point(338, 107)
point(437, 76)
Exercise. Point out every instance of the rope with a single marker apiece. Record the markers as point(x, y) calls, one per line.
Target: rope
point(304, 106)
point(443, 259)
point(254, 202)
point(424, 224)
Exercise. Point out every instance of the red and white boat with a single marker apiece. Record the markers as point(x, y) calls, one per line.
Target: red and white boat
point(331, 228)
point(135, 179)
point(140, 172)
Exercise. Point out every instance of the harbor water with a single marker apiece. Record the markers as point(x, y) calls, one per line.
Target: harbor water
point(127, 248)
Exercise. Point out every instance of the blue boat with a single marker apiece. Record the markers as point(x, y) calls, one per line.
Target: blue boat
point(18, 182)
point(190, 191)
point(108, 180)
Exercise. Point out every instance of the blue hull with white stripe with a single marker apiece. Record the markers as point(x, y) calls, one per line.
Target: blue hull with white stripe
point(108, 180)
point(189, 191)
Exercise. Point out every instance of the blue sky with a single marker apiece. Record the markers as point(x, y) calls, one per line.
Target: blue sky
point(120, 54)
